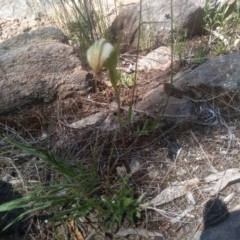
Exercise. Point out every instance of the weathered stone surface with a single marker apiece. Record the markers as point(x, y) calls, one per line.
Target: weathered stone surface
point(18, 16)
point(212, 79)
point(9, 9)
point(39, 37)
point(156, 21)
point(155, 101)
point(35, 67)
point(11, 28)
point(159, 58)
point(221, 72)
point(22, 9)
point(152, 101)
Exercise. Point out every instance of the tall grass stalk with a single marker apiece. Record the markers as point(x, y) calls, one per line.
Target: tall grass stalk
point(80, 21)
point(130, 111)
point(172, 54)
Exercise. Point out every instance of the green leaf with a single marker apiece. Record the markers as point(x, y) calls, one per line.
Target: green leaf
point(113, 78)
point(138, 214)
point(111, 62)
point(141, 198)
point(127, 202)
point(108, 202)
point(17, 203)
point(130, 114)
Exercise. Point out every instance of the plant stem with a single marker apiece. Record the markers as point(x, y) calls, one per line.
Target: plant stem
point(171, 67)
point(113, 77)
point(136, 66)
point(95, 82)
point(119, 114)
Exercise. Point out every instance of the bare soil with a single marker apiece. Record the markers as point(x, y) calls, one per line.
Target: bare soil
point(159, 166)
point(46, 126)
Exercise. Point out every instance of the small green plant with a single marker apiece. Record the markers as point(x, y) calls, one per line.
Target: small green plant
point(126, 81)
point(72, 193)
point(76, 194)
point(122, 204)
point(220, 16)
point(180, 48)
point(200, 55)
point(147, 127)
point(149, 41)
point(220, 48)
point(180, 45)
point(218, 24)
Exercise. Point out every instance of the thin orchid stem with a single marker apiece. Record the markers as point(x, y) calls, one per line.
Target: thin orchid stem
point(95, 82)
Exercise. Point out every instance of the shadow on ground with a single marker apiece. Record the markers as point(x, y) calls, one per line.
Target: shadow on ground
point(218, 223)
point(7, 193)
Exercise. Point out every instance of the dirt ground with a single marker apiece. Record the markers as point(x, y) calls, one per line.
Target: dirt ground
point(164, 156)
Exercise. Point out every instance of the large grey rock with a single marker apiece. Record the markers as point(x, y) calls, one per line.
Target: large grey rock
point(10, 9)
point(159, 58)
point(21, 9)
point(157, 102)
point(215, 80)
point(220, 72)
point(156, 22)
point(35, 67)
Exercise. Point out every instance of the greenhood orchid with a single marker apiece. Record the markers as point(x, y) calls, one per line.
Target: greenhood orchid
point(97, 54)
point(103, 54)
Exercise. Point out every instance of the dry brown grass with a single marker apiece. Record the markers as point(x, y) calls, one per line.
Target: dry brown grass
point(202, 147)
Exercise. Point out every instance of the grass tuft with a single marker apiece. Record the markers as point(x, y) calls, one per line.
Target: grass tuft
point(79, 192)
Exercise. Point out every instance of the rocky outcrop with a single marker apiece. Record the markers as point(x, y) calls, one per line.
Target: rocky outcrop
point(156, 21)
point(159, 58)
point(157, 102)
point(11, 28)
point(37, 66)
point(216, 82)
point(18, 16)
point(221, 72)
point(21, 9)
